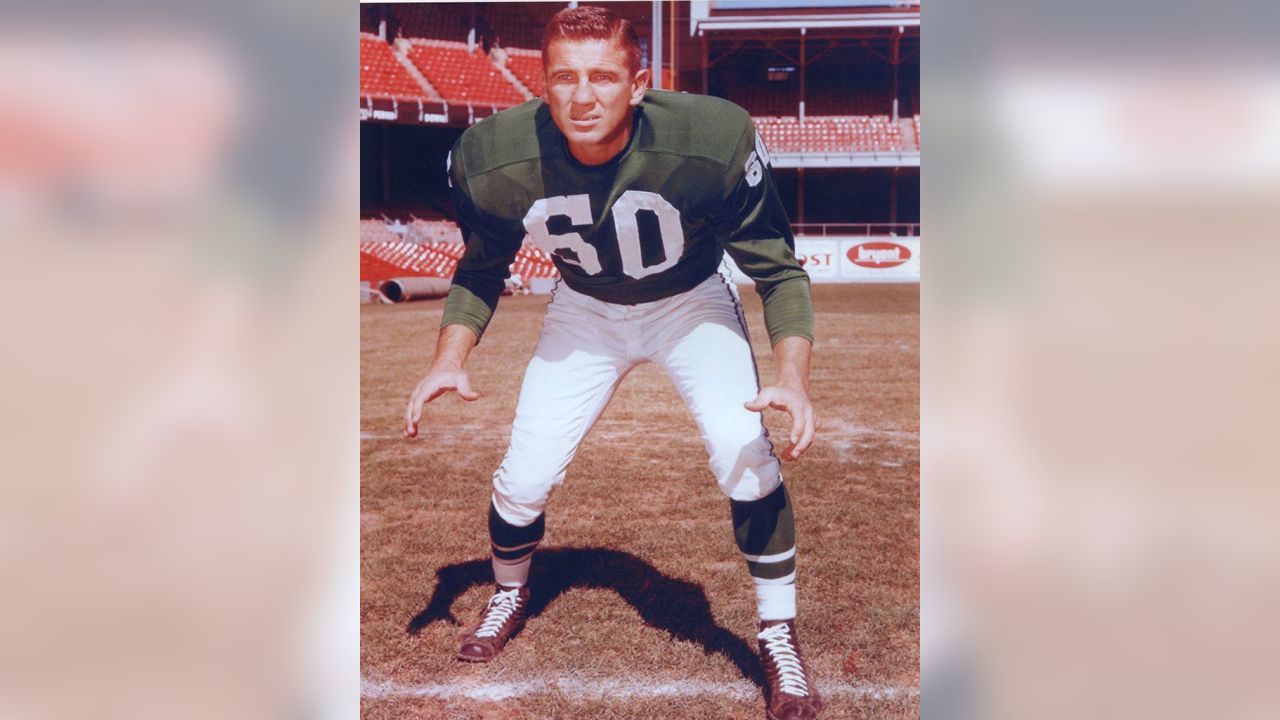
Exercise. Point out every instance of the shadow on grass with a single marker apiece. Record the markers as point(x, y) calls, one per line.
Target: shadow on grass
point(677, 606)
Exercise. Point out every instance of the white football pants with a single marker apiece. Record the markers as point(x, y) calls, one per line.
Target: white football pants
point(587, 346)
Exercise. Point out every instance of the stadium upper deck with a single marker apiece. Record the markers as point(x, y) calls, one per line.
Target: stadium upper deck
point(830, 86)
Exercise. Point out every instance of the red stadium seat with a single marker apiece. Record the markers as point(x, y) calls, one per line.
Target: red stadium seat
point(382, 75)
point(463, 77)
point(825, 133)
point(386, 253)
point(527, 66)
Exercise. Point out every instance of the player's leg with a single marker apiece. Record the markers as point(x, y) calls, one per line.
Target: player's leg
point(575, 368)
point(765, 533)
point(573, 372)
point(704, 348)
point(708, 356)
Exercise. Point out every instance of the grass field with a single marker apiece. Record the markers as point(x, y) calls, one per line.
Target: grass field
point(642, 605)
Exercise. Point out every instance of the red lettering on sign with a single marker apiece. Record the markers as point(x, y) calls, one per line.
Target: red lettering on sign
point(878, 254)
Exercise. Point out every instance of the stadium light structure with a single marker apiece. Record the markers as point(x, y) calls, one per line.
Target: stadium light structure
point(655, 65)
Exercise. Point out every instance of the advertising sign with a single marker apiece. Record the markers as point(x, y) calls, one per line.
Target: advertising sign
point(819, 258)
point(876, 259)
point(862, 259)
point(853, 259)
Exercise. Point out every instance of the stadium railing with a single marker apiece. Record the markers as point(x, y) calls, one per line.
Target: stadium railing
point(857, 229)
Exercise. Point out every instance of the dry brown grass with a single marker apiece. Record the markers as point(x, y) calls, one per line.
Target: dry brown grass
point(639, 579)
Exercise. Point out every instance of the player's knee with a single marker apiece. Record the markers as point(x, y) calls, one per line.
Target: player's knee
point(750, 474)
point(519, 514)
point(525, 490)
point(530, 495)
point(727, 432)
point(750, 486)
point(730, 445)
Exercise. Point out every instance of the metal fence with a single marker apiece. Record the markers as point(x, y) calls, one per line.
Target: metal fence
point(857, 229)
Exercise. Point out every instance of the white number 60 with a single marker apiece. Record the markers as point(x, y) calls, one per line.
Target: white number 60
point(625, 223)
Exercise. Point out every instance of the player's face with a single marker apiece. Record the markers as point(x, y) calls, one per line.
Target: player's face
point(590, 91)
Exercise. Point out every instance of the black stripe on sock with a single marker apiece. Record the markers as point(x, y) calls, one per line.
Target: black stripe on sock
point(504, 534)
point(766, 526)
point(772, 570)
point(512, 556)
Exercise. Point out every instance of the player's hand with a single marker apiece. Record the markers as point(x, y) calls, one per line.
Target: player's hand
point(434, 384)
point(796, 404)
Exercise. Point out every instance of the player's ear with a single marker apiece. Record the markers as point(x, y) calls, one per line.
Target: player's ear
point(639, 83)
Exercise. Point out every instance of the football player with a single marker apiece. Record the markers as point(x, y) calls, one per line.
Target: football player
point(637, 195)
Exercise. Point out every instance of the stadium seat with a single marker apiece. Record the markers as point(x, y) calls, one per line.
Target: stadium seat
point(527, 66)
point(463, 77)
point(382, 75)
point(430, 248)
point(859, 133)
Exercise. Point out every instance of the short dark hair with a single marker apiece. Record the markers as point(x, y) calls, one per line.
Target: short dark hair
point(590, 22)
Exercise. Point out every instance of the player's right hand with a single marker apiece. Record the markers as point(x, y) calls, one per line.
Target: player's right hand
point(434, 384)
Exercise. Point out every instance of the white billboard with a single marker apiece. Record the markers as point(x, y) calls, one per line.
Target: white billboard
point(853, 259)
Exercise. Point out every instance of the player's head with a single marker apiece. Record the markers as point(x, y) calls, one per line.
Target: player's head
point(591, 58)
point(593, 23)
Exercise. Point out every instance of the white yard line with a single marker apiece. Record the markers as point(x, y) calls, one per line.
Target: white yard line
point(612, 689)
point(836, 431)
point(377, 436)
point(839, 428)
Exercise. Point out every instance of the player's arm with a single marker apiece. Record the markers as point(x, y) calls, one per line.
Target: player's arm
point(756, 233)
point(444, 374)
point(790, 393)
point(483, 269)
point(477, 283)
point(754, 230)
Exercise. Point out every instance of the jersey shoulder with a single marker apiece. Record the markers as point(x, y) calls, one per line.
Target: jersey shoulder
point(693, 125)
point(502, 139)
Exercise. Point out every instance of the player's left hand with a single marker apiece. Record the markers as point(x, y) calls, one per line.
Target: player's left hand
point(796, 404)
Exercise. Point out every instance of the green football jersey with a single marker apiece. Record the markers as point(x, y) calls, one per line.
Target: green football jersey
point(691, 184)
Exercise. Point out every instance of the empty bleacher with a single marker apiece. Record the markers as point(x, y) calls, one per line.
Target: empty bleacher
point(855, 119)
point(384, 260)
point(381, 74)
point(429, 248)
point(527, 66)
point(532, 262)
point(463, 77)
point(858, 133)
point(380, 261)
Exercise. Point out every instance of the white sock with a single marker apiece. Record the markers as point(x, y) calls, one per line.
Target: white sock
point(513, 575)
point(776, 602)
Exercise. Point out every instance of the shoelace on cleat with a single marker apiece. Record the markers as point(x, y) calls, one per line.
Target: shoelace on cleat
point(790, 672)
point(501, 605)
